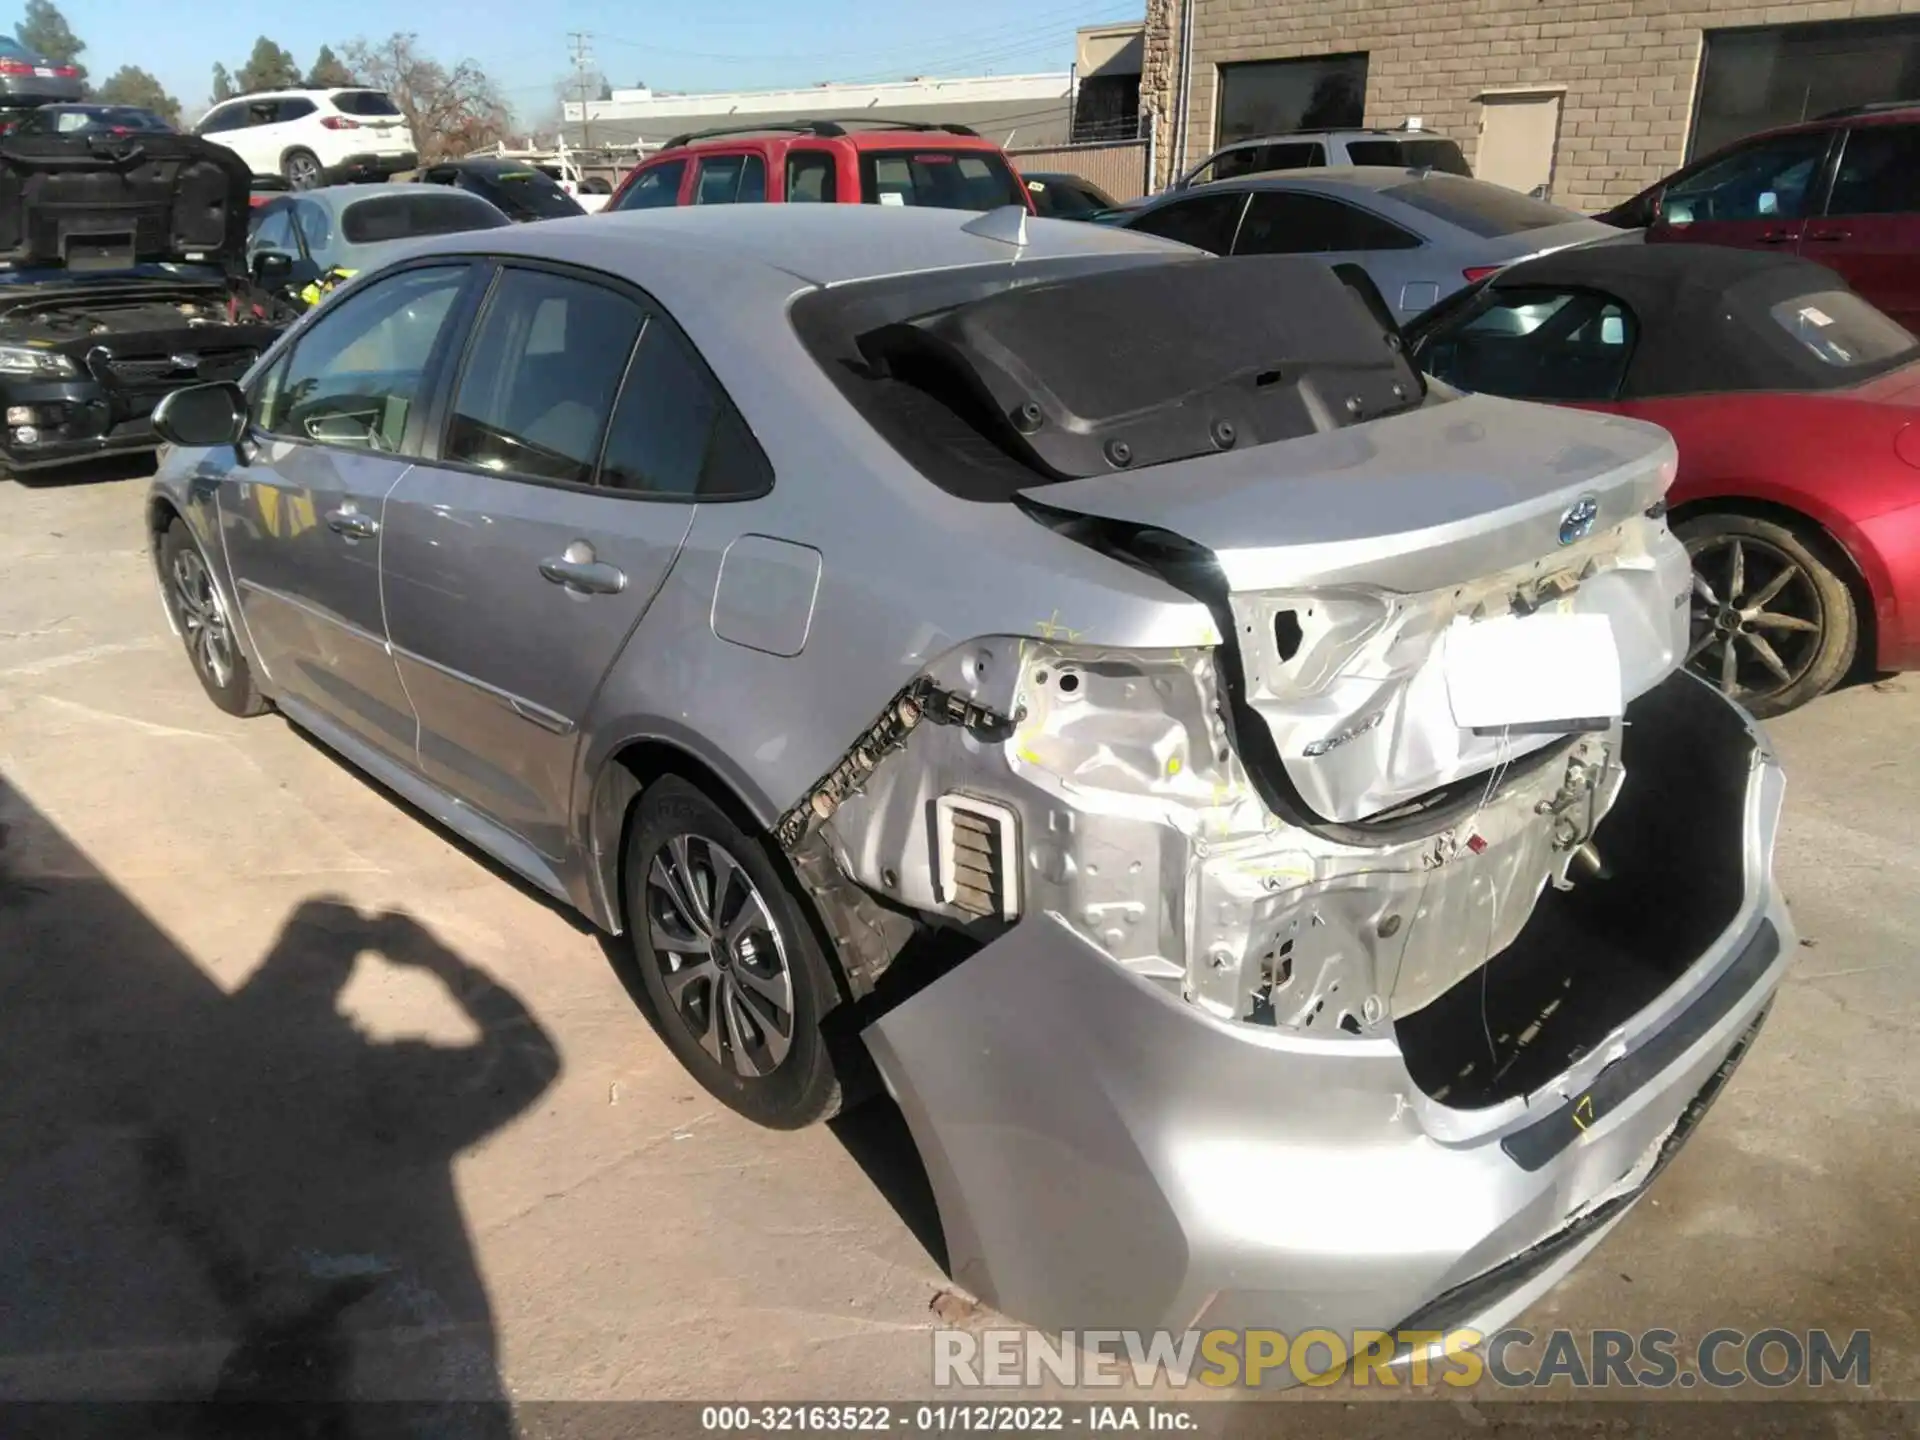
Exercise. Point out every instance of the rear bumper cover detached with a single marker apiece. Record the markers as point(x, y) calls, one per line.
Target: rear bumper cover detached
point(1105, 1154)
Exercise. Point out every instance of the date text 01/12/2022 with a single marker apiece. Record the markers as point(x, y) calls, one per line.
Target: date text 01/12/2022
point(946, 1418)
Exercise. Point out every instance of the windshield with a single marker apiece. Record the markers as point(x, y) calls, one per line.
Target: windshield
point(402, 217)
point(1479, 207)
point(1840, 329)
point(1440, 155)
point(527, 194)
point(944, 179)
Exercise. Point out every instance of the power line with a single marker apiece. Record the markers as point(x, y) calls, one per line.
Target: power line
point(582, 61)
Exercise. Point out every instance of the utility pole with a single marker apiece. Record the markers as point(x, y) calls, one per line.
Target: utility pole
point(583, 72)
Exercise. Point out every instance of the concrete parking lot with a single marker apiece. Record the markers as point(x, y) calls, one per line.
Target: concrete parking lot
point(273, 1048)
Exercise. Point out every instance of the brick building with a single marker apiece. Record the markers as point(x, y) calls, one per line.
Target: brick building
point(1595, 99)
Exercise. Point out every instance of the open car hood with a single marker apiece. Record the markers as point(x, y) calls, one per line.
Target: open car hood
point(106, 203)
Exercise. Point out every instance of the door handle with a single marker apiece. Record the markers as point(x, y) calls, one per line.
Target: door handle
point(1829, 236)
point(352, 524)
point(578, 570)
point(1776, 237)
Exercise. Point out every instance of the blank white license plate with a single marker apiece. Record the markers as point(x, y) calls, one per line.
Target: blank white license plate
point(1542, 672)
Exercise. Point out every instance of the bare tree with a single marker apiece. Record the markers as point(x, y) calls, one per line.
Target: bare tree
point(451, 111)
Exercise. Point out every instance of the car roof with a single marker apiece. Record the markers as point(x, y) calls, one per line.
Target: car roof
point(1282, 137)
point(1701, 311)
point(1326, 177)
point(340, 196)
point(815, 244)
point(1891, 114)
point(883, 137)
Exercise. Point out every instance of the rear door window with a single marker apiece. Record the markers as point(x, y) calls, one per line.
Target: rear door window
point(676, 435)
point(538, 386)
point(294, 108)
point(1207, 222)
point(1252, 159)
point(1281, 222)
point(1441, 155)
point(1479, 207)
point(731, 180)
point(1879, 172)
point(812, 177)
point(654, 188)
point(943, 179)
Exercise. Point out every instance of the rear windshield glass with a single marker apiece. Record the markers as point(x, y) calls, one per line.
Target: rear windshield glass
point(364, 102)
point(1838, 328)
point(14, 50)
point(1442, 156)
point(944, 179)
point(1479, 207)
point(67, 122)
point(431, 212)
point(528, 192)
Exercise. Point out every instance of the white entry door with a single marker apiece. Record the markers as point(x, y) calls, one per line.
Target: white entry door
point(1517, 138)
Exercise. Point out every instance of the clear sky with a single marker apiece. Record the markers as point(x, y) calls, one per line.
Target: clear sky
point(523, 45)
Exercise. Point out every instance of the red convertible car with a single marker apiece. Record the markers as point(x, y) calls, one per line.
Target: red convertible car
point(1796, 406)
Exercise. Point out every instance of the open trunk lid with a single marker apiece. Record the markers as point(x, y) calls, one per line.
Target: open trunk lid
point(1347, 565)
point(99, 202)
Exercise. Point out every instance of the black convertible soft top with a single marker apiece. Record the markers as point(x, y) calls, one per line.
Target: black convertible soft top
point(1709, 317)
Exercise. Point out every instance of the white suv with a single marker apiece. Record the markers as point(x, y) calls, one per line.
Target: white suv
point(314, 137)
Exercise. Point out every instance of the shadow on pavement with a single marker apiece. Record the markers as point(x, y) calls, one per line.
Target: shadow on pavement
point(102, 471)
point(241, 1197)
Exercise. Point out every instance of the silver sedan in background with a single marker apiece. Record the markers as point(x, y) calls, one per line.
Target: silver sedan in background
point(1248, 806)
point(1419, 234)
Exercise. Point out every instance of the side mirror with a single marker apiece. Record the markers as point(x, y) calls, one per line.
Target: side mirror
point(202, 415)
point(272, 267)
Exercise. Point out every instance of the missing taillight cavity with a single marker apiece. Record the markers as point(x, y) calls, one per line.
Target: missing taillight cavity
point(1287, 634)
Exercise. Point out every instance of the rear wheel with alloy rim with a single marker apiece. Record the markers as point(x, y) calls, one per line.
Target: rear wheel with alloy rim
point(205, 627)
point(1774, 624)
point(734, 972)
point(301, 170)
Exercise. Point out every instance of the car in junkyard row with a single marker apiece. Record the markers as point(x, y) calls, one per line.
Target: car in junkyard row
point(1796, 407)
point(520, 191)
point(1247, 804)
point(120, 280)
point(1419, 235)
point(304, 244)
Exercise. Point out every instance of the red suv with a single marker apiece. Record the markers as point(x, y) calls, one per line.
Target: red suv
point(1843, 189)
point(821, 161)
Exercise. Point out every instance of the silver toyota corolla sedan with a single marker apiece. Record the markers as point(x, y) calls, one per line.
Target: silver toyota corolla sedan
point(1246, 804)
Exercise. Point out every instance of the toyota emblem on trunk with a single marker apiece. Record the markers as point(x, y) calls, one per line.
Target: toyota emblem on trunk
point(1577, 523)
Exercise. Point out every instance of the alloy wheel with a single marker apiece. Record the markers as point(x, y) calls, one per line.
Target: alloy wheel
point(722, 960)
point(1757, 617)
point(303, 172)
point(203, 618)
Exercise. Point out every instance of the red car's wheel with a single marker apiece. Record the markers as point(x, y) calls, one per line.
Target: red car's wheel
point(1773, 624)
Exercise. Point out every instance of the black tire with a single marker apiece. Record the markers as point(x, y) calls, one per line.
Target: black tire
point(773, 1065)
point(596, 185)
point(301, 170)
point(186, 582)
point(1775, 592)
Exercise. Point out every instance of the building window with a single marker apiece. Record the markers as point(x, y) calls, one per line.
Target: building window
point(1755, 79)
point(1272, 97)
point(1107, 107)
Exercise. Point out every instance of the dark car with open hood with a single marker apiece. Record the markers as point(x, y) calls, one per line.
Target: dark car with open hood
point(121, 280)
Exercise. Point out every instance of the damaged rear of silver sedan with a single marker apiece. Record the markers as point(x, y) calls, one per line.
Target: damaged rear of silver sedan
point(1246, 803)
